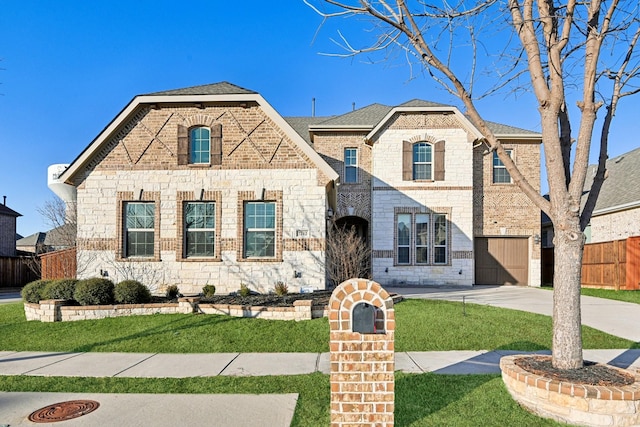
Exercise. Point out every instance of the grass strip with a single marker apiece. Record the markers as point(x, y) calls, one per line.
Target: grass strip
point(421, 325)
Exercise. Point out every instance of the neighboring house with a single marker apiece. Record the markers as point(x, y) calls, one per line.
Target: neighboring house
point(209, 184)
point(617, 212)
point(32, 244)
point(8, 219)
point(58, 238)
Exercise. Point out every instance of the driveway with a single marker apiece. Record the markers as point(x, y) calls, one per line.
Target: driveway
point(617, 318)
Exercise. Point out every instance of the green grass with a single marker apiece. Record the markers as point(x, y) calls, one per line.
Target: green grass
point(470, 400)
point(627, 296)
point(422, 325)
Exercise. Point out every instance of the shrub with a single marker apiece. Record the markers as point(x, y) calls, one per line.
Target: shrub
point(96, 291)
point(61, 289)
point(131, 292)
point(172, 292)
point(244, 290)
point(208, 291)
point(33, 292)
point(281, 289)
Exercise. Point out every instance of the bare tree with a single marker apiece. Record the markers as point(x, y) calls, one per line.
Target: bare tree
point(61, 217)
point(348, 256)
point(583, 52)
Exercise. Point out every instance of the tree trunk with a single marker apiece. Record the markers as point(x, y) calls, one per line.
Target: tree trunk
point(567, 332)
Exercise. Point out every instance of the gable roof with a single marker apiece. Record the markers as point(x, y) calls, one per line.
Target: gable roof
point(4, 210)
point(32, 239)
point(221, 88)
point(216, 92)
point(620, 189)
point(372, 117)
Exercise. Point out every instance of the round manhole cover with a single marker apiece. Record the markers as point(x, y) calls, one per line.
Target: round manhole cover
point(63, 411)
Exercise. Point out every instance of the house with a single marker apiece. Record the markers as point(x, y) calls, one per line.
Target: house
point(611, 258)
point(203, 185)
point(436, 206)
point(210, 185)
point(32, 244)
point(617, 212)
point(8, 219)
point(62, 237)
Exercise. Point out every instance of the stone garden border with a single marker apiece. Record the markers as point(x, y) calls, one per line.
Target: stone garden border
point(62, 311)
point(571, 403)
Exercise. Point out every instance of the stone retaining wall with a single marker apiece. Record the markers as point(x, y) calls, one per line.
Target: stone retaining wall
point(580, 404)
point(60, 311)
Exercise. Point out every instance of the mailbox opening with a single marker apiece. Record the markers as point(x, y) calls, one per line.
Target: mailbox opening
point(367, 319)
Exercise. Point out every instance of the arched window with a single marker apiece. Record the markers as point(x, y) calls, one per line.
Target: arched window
point(422, 161)
point(200, 145)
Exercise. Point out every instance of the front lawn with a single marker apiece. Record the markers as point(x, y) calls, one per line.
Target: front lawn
point(470, 400)
point(627, 296)
point(422, 325)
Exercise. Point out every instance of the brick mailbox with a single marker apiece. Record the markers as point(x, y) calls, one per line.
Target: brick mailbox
point(362, 328)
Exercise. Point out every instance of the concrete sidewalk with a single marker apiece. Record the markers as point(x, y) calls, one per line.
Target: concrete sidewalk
point(161, 365)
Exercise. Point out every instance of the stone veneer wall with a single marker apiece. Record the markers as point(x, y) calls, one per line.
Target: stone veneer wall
point(571, 403)
point(57, 310)
point(140, 163)
point(453, 196)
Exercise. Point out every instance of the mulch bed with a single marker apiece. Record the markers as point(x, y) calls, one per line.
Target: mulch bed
point(591, 374)
point(269, 300)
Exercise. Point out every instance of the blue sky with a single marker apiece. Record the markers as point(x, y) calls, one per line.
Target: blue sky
point(69, 67)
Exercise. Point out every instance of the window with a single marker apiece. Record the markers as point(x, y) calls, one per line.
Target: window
point(200, 145)
point(500, 174)
point(350, 165)
point(440, 239)
point(404, 238)
point(422, 239)
point(139, 229)
point(200, 229)
point(422, 161)
point(259, 229)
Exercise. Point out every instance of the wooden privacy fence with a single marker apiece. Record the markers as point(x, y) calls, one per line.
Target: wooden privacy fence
point(612, 265)
point(15, 271)
point(59, 264)
point(606, 265)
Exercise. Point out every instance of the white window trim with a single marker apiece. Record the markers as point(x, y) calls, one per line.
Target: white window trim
point(414, 163)
point(509, 151)
point(354, 166)
point(187, 230)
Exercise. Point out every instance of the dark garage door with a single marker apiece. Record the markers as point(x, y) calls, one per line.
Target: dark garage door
point(501, 260)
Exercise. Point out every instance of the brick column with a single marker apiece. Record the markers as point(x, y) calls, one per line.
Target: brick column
point(362, 364)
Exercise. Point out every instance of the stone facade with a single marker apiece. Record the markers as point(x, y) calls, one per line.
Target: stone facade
point(393, 195)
